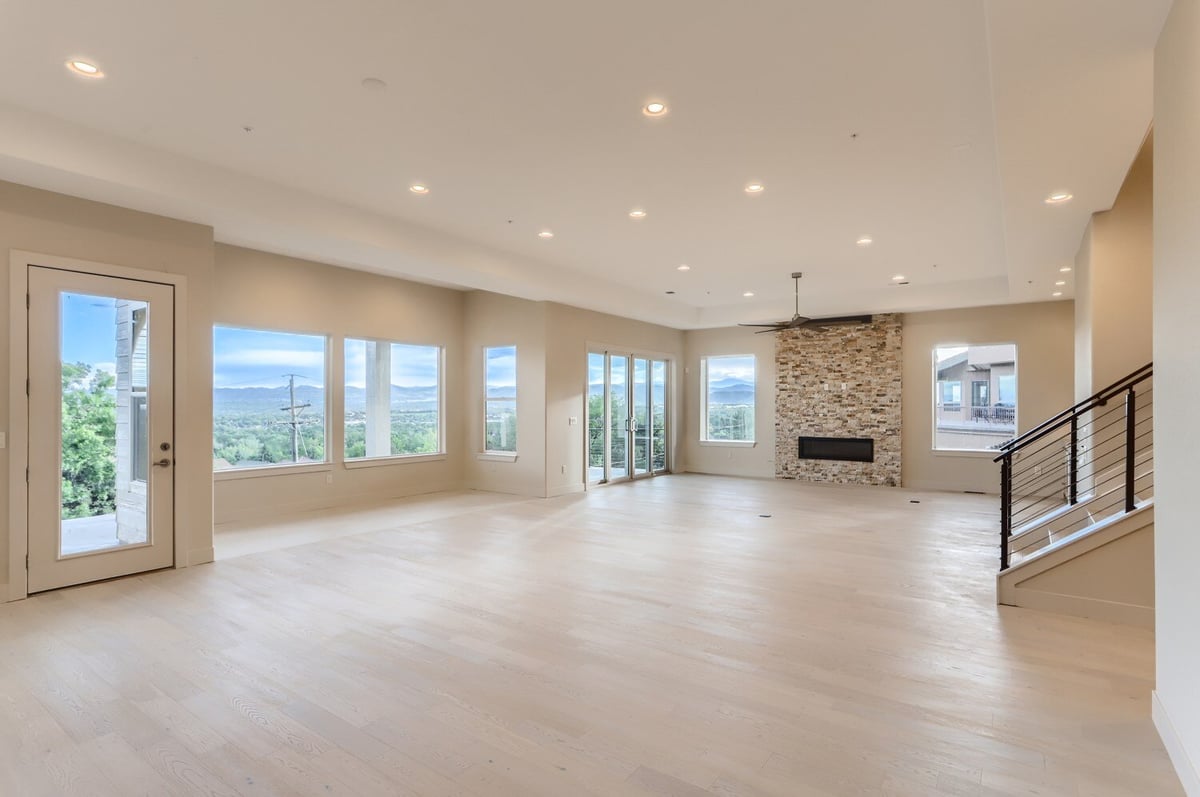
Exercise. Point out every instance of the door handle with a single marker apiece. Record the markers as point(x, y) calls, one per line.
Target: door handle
point(163, 463)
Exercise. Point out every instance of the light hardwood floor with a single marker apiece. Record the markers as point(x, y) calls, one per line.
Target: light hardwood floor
point(658, 638)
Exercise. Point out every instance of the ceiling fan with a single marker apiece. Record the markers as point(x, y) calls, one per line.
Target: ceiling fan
point(803, 322)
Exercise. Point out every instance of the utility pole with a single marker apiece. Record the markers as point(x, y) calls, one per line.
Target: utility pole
point(295, 409)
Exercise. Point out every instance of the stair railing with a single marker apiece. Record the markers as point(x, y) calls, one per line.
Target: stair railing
point(1079, 465)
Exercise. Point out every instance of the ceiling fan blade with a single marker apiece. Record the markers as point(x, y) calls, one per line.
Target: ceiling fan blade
point(837, 321)
point(772, 329)
point(776, 325)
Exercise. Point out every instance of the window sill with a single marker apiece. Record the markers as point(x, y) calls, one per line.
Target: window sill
point(276, 470)
point(967, 453)
point(729, 443)
point(401, 459)
point(497, 456)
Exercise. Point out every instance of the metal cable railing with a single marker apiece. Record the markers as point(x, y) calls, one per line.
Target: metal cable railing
point(1091, 461)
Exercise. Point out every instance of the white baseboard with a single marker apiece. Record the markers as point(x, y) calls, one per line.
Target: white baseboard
point(565, 489)
point(1189, 776)
point(200, 556)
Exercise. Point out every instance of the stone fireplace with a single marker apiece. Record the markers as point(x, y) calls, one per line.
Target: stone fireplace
point(838, 388)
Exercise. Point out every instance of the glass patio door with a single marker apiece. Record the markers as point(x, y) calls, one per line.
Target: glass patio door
point(639, 424)
point(101, 427)
point(627, 417)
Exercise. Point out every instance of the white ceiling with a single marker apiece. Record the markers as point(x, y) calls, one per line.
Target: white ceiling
point(935, 126)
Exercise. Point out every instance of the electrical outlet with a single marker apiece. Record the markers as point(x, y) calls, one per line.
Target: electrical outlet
point(563, 468)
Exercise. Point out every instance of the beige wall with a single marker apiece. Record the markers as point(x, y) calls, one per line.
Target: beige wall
point(1113, 302)
point(1043, 333)
point(552, 344)
point(1083, 315)
point(495, 320)
point(758, 461)
point(1177, 383)
point(53, 224)
point(570, 334)
point(264, 291)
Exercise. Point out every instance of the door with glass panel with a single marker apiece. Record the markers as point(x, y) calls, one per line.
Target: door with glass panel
point(101, 427)
point(627, 417)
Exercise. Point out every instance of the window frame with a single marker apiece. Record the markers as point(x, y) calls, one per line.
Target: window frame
point(279, 468)
point(704, 439)
point(936, 404)
point(366, 461)
point(499, 453)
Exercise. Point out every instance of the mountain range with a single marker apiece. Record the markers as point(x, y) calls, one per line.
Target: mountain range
point(274, 399)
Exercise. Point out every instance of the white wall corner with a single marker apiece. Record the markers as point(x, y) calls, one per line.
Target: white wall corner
point(1185, 767)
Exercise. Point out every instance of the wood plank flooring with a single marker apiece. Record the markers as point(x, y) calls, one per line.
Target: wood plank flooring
point(657, 638)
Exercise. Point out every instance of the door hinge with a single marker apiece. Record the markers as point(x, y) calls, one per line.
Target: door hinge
point(27, 475)
point(27, 301)
point(26, 387)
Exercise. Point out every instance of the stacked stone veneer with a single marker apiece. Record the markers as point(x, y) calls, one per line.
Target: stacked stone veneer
point(811, 367)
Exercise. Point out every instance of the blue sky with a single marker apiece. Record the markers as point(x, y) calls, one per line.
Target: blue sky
point(253, 358)
point(501, 366)
point(89, 330)
point(412, 366)
point(731, 368)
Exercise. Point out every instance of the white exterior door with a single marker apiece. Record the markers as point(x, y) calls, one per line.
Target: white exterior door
point(101, 427)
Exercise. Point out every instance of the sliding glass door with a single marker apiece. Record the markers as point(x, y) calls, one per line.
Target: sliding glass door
point(627, 417)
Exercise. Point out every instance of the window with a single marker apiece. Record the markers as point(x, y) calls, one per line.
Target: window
point(268, 398)
point(139, 431)
point(500, 398)
point(392, 400)
point(979, 393)
point(991, 417)
point(727, 388)
point(951, 392)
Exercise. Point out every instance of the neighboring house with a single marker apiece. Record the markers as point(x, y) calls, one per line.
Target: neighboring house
point(976, 396)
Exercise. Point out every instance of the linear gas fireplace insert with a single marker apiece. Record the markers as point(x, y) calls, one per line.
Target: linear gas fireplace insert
point(846, 449)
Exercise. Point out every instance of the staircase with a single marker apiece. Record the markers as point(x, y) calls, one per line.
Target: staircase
point(1076, 497)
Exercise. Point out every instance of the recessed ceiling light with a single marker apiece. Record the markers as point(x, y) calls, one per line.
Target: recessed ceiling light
point(1061, 283)
point(1059, 198)
point(865, 240)
point(655, 108)
point(1056, 294)
point(755, 188)
point(683, 267)
point(373, 84)
point(419, 188)
point(545, 234)
point(637, 213)
point(748, 294)
point(899, 278)
point(1065, 269)
point(85, 68)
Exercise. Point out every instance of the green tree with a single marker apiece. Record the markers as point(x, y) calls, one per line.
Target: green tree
point(89, 442)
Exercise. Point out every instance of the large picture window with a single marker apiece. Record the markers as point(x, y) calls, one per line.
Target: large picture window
point(392, 400)
point(990, 417)
point(727, 398)
point(268, 399)
point(500, 399)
